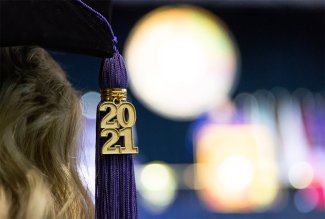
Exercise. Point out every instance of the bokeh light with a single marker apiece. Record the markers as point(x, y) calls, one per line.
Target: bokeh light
point(306, 203)
point(157, 185)
point(87, 155)
point(89, 102)
point(301, 175)
point(188, 61)
point(237, 169)
point(189, 177)
point(234, 174)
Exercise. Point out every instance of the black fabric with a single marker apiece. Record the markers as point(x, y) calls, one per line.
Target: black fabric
point(102, 6)
point(63, 25)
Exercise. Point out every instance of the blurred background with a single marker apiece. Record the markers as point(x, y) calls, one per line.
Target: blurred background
point(230, 99)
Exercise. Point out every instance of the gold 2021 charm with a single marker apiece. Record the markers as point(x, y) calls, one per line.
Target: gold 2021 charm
point(117, 123)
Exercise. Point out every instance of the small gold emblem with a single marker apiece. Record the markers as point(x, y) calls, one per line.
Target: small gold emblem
point(116, 125)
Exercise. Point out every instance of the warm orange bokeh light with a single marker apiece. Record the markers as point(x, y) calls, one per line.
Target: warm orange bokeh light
point(236, 167)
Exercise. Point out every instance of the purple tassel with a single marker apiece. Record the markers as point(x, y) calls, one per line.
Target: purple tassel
point(113, 73)
point(115, 180)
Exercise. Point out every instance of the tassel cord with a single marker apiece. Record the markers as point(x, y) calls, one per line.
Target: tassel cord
point(102, 19)
point(116, 196)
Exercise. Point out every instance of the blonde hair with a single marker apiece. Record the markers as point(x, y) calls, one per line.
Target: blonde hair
point(40, 116)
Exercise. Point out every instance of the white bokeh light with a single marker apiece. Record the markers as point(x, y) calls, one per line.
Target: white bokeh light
point(181, 61)
point(301, 175)
point(235, 174)
point(89, 102)
point(157, 186)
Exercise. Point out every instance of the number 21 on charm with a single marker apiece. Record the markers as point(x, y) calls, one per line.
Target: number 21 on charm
point(117, 123)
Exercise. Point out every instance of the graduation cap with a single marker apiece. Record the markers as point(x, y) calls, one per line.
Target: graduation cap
point(77, 27)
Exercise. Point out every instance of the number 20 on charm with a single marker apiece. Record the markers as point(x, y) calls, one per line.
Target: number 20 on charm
point(117, 123)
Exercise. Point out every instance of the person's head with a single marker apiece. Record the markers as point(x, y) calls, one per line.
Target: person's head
point(40, 116)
